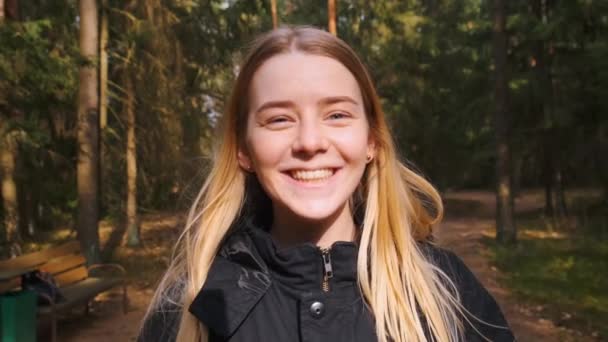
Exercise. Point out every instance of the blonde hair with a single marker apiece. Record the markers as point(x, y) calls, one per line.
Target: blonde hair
point(397, 281)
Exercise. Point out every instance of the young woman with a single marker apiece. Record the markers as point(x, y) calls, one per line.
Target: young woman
point(308, 227)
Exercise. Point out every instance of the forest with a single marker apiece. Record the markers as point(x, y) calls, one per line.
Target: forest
point(108, 111)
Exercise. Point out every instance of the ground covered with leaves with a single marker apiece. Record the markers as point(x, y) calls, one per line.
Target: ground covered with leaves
point(549, 287)
point(563, 273)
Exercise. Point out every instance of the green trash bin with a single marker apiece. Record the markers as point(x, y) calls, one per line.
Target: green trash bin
point(18, 316)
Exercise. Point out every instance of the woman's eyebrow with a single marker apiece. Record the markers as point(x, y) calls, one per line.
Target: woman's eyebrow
point(275, 104)
point(337, 99)
point(326, 101)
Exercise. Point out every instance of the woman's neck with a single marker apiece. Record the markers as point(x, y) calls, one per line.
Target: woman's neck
point(288, 229)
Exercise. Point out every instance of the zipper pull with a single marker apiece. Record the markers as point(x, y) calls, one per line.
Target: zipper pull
point(327, 270)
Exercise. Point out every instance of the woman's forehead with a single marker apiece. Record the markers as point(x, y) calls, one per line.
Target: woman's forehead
point(301, 77)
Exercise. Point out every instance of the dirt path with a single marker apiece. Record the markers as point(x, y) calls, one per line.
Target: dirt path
point(461, 234)
point(106, 321)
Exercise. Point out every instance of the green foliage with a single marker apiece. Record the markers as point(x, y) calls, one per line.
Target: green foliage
point(564, 275)
point(432, 63)
point(431, 60)
point(38, 91)
point(181, 57)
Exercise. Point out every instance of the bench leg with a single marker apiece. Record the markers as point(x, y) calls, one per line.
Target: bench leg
point(53, 327)
point(53, 317)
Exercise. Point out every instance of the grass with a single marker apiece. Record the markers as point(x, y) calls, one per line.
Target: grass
point(564, 273)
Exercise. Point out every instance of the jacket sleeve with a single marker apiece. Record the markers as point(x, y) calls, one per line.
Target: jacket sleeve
point(484, 320)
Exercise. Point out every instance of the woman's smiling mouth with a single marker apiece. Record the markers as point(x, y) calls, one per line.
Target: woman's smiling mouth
point(311, 176)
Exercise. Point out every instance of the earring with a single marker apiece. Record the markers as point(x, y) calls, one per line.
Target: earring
point(369, 157)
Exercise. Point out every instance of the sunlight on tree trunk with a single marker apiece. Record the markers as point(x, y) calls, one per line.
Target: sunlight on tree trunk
point(331, 13)
point(88, 134)
point(8, 157)
point(273, 9)
point(103, 97)
point(133, 238)
point(505, 225)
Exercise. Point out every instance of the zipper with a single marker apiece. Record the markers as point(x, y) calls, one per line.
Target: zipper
point(328, 273)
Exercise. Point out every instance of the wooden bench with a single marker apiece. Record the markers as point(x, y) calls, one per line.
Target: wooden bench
point(75, 280)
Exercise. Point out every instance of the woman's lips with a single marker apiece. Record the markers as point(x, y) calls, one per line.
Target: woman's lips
point(312, 177)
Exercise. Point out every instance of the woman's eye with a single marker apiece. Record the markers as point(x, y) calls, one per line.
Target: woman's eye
point(337, 115)
point(276, 122)
point(278, 119)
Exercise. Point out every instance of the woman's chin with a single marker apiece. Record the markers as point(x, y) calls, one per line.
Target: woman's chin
point(316, 211)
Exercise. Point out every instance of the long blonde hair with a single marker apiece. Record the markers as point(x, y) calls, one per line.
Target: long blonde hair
point(397, 281)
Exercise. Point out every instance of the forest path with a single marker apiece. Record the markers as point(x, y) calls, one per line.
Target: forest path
point(470, 216)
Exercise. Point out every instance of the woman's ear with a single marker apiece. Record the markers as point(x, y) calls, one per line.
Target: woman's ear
point(371, 149)
point(244, 161)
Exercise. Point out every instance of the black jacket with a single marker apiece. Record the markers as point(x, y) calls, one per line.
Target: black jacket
point(256, 292)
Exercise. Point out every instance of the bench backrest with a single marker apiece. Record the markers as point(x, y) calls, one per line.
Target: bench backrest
point(65, 262)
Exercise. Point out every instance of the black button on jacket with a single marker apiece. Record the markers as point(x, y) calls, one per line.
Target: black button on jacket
point(257, 292)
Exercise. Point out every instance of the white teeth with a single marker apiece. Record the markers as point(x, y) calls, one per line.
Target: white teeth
point(313, 175)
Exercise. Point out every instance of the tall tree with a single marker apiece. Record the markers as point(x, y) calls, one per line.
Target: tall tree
point(9, 153)
point(8, 157)
point(103, 67)
point(505, 222)
point(88, 133)
point(331, 17)
point(552, 145)
point(273, 10)
point(133, 237)
point(543, 104)
point(9, 9)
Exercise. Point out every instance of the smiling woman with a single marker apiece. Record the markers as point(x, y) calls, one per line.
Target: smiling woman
point(308, 227)
point(308, 143)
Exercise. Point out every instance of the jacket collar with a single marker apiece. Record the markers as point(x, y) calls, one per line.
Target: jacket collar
point(237, 280)
point(244, 268)
point(300, 268)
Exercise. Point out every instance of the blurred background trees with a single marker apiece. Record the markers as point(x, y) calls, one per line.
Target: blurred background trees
point(165, 68)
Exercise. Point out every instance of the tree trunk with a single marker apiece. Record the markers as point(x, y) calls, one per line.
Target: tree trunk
point(273, 10)
point(1, 11)
point(555, 199)
point(561, 209)
point(133, 237)
point(103, 67)
point(544, 106)
point(8, 157)
point(601, 163)
point(331, 13)
point(548, 176)
point(103, 98)
point(505, 223)
point(88, 134)
point(11, 9)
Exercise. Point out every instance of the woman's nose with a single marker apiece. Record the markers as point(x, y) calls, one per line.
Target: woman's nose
point(310, 138)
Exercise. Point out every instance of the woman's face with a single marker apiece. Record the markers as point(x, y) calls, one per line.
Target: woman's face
point(307, 137)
